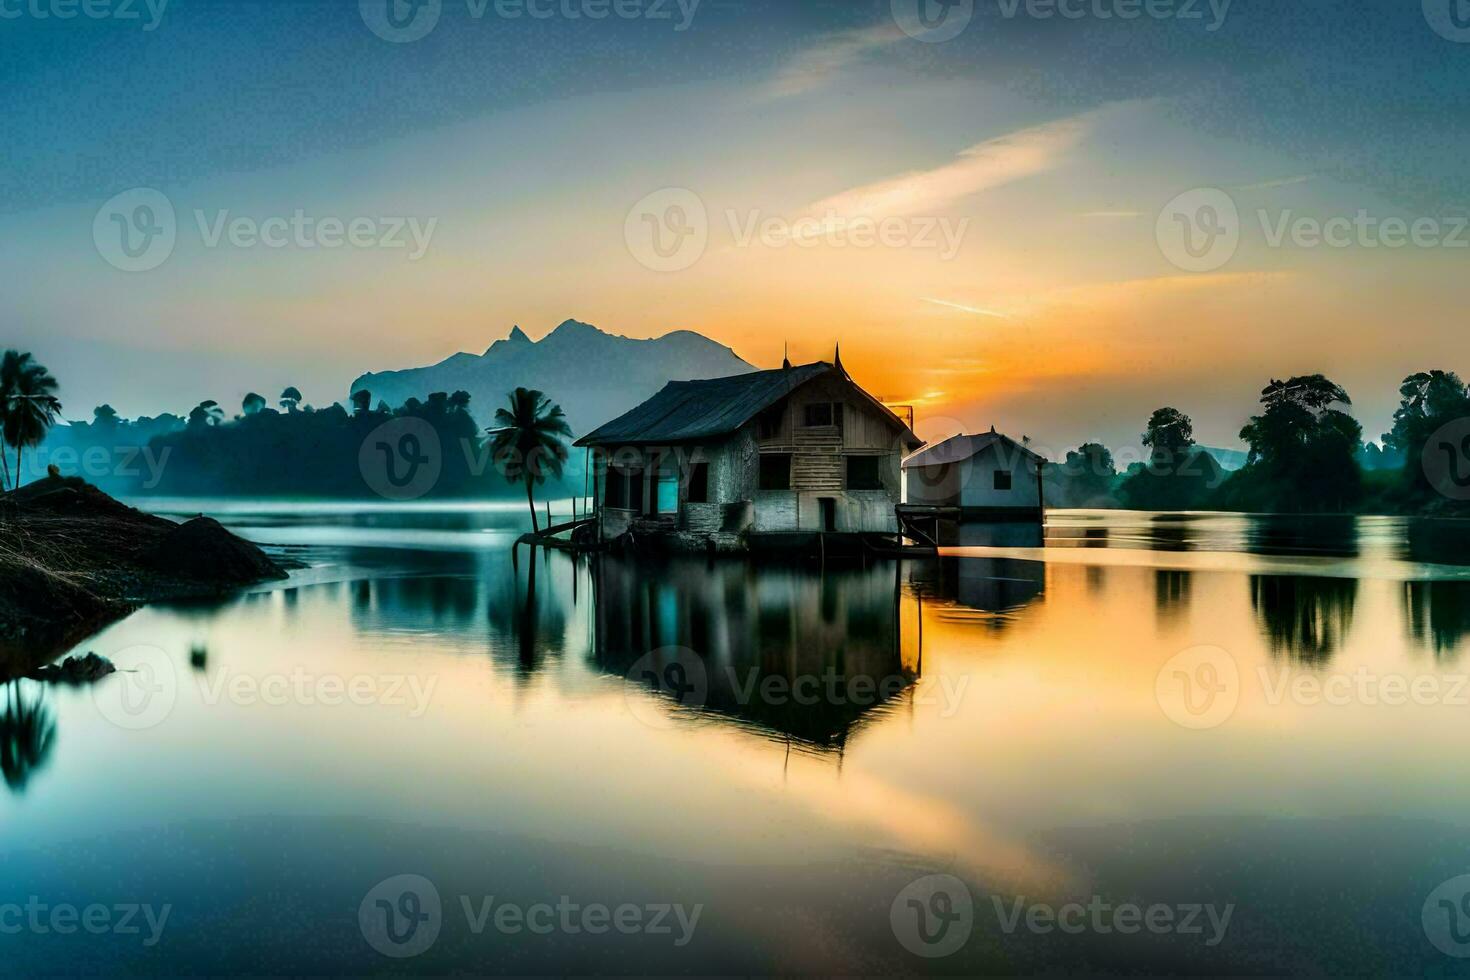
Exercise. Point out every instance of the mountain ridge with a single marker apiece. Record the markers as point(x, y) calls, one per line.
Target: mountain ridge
point(593, 374)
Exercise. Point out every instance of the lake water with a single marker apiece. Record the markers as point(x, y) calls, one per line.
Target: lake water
point(1169, 743)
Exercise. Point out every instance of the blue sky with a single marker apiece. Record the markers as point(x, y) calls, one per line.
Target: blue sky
point(528, 140)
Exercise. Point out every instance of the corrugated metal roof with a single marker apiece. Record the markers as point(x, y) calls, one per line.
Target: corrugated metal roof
point(959, 448)
point(687, 411)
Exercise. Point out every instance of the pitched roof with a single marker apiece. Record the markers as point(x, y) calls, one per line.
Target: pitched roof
point(957, 449)
point(686, 411)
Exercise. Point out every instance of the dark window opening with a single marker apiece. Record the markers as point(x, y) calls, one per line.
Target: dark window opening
point(699, 483)
point(775, 471)
point(818, 413)
point(635, 491)
point(1002, 479)
point(616, 492)
point(768, 423)
point(863, 473)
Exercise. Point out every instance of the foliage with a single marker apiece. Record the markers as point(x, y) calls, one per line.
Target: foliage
point(1302, 451)
point(1428, 401)
point(1084, 479)
point(1177, 476)
point(1170, 432)
point(28, 405)
point(528, 441)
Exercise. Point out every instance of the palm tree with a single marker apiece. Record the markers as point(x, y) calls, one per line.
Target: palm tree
point(28, 405)
point(530, 441)
point(9, 372)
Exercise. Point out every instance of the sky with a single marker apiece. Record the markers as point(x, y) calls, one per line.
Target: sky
point(1051, 217)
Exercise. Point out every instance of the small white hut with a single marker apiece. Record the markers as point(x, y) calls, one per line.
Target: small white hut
point(987, 475)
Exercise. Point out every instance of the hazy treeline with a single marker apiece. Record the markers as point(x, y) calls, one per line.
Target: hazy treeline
point(289, 450)
point(1306, 454)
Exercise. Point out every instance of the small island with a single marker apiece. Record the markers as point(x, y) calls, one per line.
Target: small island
point(73, 559)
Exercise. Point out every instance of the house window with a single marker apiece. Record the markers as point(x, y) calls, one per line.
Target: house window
point(666, 487)
point(616, 492)
point(699, 483)
point(863, 473)
point(635, 491)
point(822, 413)
point(1002, 479)
point(768, 423)
point(775, 471)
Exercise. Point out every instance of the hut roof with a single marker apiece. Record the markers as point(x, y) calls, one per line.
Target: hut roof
point(687, 411)
point(957, 449)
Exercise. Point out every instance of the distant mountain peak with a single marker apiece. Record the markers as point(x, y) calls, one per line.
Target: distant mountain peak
point(517, 338)
point(593, 374)
point(575, 328)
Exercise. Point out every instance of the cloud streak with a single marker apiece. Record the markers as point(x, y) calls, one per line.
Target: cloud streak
point(815, 66)
point(977, 310)
point(981, 167)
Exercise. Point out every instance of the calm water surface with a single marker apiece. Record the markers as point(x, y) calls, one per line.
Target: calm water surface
point(1259, 714)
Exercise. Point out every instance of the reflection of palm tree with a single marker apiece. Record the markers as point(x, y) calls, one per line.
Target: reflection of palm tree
point(27, 736)
point(529, 441)
point(1308, 618)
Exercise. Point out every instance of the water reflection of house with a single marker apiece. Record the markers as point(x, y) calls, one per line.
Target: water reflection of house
point(764, 629)
point(797, 450)
point(985, 584)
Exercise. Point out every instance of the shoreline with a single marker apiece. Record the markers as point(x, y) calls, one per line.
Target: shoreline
point(73, 560)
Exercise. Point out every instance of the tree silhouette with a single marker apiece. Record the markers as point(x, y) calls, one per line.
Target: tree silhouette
point(362, 401)
point(105, 417)
point(290, 398)
point(28, 404)
point(529, 441)
point(1302, 449)
point(205, 414)
point(1428, 400)
point(252, 403)
point(1178, 475)
point(1169, 433)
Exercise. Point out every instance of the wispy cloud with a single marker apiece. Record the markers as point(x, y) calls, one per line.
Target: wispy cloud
point(981, 167)
point(813, 67)
point(1266, 185)
point(977, 310)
